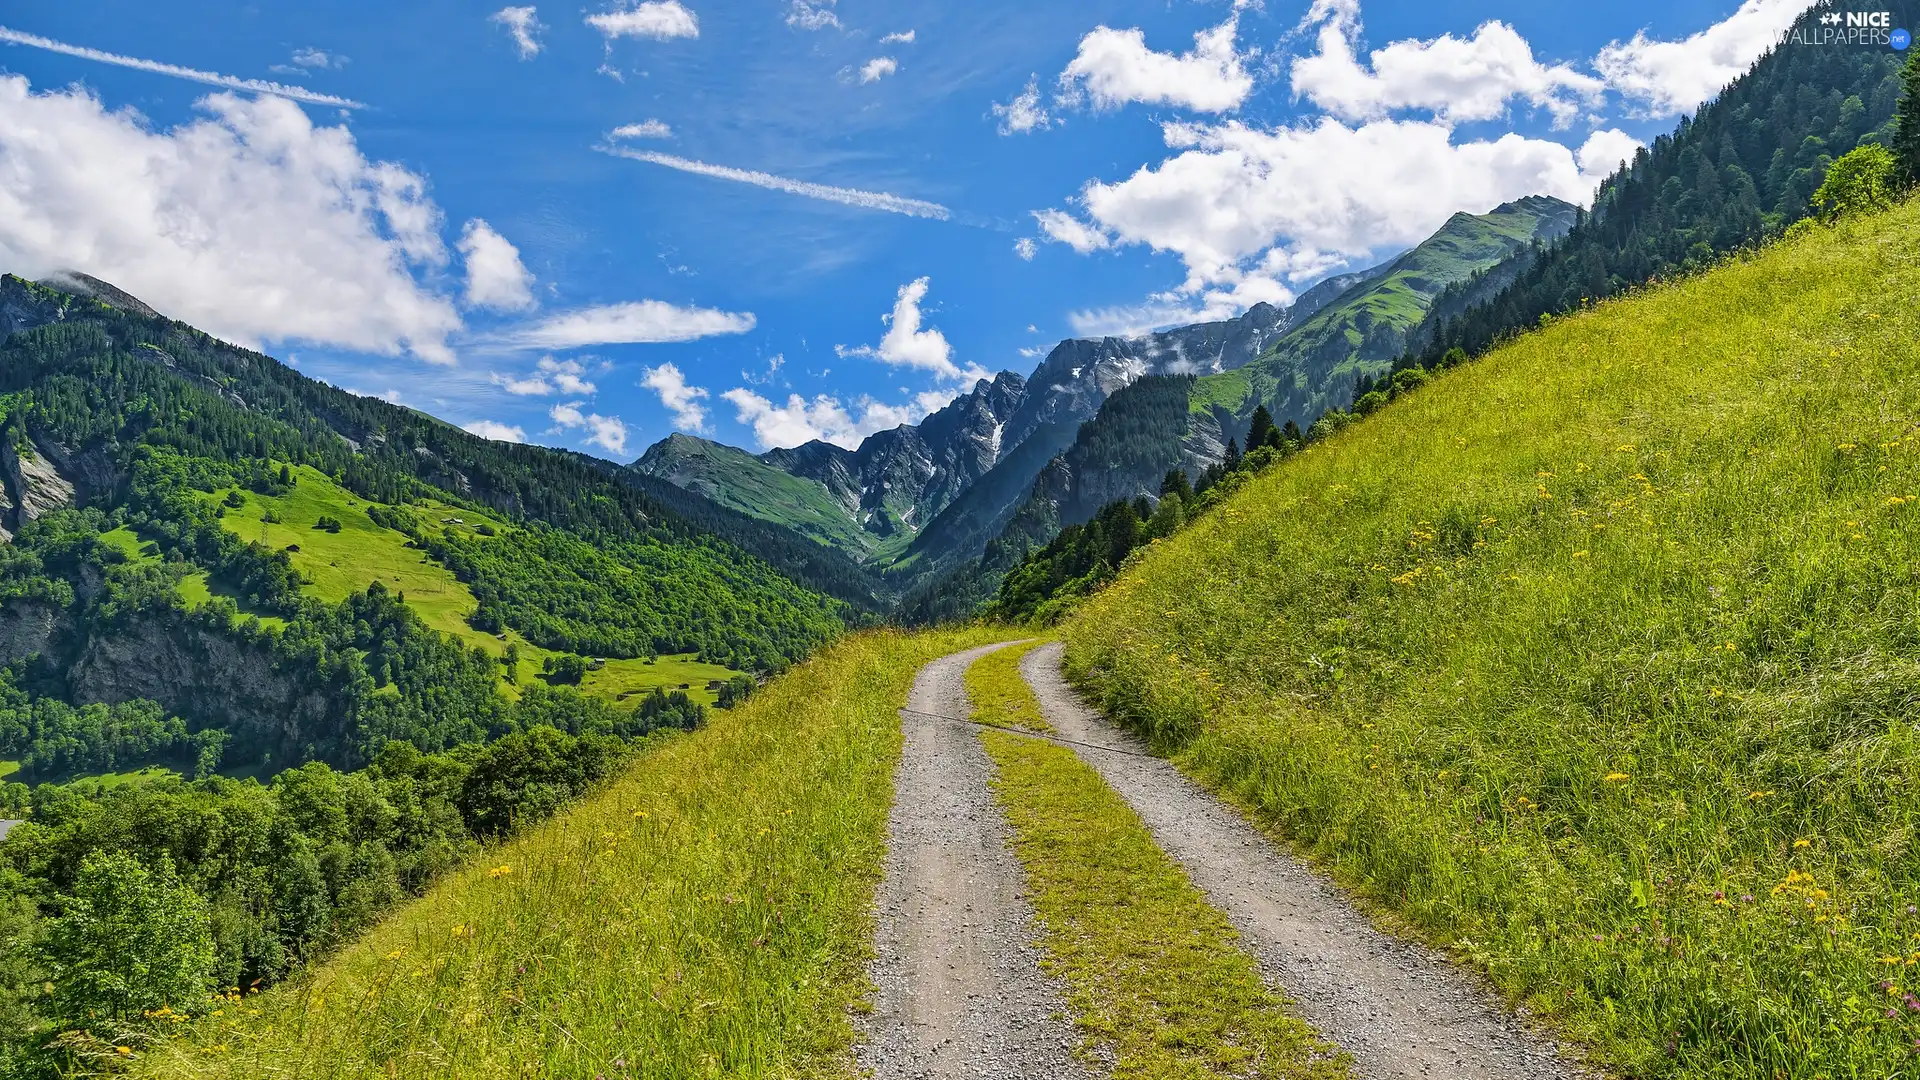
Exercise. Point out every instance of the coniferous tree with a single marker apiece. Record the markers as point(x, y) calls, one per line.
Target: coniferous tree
point(1232, 460)
point(1293, 435)
point(1262, 433)
point(1906, 132)
point(1176, 486)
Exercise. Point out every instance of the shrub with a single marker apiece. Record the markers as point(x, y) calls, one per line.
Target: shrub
point(1861, 182)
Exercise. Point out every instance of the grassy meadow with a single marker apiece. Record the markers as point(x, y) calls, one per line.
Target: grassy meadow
point(1597, 662)
point(1155, 977)
point(340, 563)
point(709, 913)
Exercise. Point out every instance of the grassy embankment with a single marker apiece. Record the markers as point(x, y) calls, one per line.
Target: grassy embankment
point(1155, 976)
point(340, 563)
point(708, 914)
point(1598, 661)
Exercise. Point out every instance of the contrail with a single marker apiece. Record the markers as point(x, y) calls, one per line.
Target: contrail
point(866, 200)
point(231, 82)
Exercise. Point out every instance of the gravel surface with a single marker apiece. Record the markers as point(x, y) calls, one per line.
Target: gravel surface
point(1401, 1010)
point(959, 989)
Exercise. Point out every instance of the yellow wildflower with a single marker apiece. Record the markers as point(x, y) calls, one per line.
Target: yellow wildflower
point(1802, 842)
point(1616, 777)
point(500, 871)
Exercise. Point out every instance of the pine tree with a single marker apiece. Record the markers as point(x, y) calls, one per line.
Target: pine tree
point(1233, 456)
point(1176, 486)
point(1906, 132)
point(1292, 434)
point(1262, 433)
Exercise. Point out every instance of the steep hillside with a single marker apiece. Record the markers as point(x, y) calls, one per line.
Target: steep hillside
point(737, 479)
point(201, 532)
point(1591, 660)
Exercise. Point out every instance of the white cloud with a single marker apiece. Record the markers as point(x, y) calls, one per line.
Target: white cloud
point(812, 16)
point(606, 432)
point(646, 129)
point(657, 19)
point(229, 82)
point(634, 322)
point(1024, 113)
point(497, 431)
point(1247, 207)
point(1457, 79)
point(1605, 151)
point(904, 37)
point(531, 386)
point(1026, 248)
point(878, 68)
point(824, 418)
point(865, 200)
point(1064, 228)
point(906, 345)
point(1115, 67)
point(1675, 76)
point(495, 276)
point(249, 222)
point(549, 376)
point(521, 25)
point(304, 61)
point(680, 399)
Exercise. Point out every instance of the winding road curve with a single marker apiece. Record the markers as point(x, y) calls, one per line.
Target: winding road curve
point(959, 988)
point(1401, 1010)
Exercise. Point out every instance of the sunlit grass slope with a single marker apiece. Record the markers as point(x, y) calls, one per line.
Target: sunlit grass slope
point(338, 564)
point(1598, 661)
point(707, 915)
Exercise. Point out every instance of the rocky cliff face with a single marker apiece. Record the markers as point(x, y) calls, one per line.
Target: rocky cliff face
point(36, 487)
point(210, 678)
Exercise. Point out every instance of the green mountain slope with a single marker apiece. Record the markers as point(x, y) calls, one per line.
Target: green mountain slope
point(1312, 366)
point(734, 478)
point(201, 529)
point(1592, 661)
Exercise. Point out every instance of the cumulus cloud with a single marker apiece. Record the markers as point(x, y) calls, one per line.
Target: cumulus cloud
point(812, 16)
point(825, 418)
point(865, 200)
point(549, 376)
point(521, 25)
point(606, 432)
point(878, 68)
point(646, 129)
point(209, 78)
point(309, 59)
point(1458, 79)
point(250, 221)
point(634, 322)
point(904, 37)
point(684, 401)
point(1115, 67)
point(1026, 248)
point(1245, 207)
point(497, 431)
point(905, 344)
point(1062, 227)
point(1025, 112)
point(495, 276)
point(657, 19)
point(1670, 77)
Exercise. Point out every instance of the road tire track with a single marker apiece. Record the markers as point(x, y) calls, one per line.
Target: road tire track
point(958, 987)
point(1400, 1009)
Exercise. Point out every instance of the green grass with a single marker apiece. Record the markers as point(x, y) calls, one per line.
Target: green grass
point(1598, 662)
point(340, 564)
point(1227, 390)
point(1155, 977)
point(8, 768)
point(737, 479)
point(707, 914)
point(999, 692)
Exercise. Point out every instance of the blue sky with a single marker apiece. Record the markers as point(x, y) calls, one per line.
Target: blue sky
point(821, 218)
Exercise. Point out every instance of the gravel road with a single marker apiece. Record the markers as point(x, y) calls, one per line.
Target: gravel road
point(1400, 1009)
point(959, 989)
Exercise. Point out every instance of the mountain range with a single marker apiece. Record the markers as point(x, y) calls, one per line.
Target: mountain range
point(919, 499)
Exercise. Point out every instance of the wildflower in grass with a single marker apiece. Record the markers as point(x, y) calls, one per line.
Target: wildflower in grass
point(123, 1051)
point(1624, 448)
point(1545, 494)
point(1756, 796)
point(1579, 554)
point(639, 813)
point(1616, 778)
point(1802, 842)
point(500, 871)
